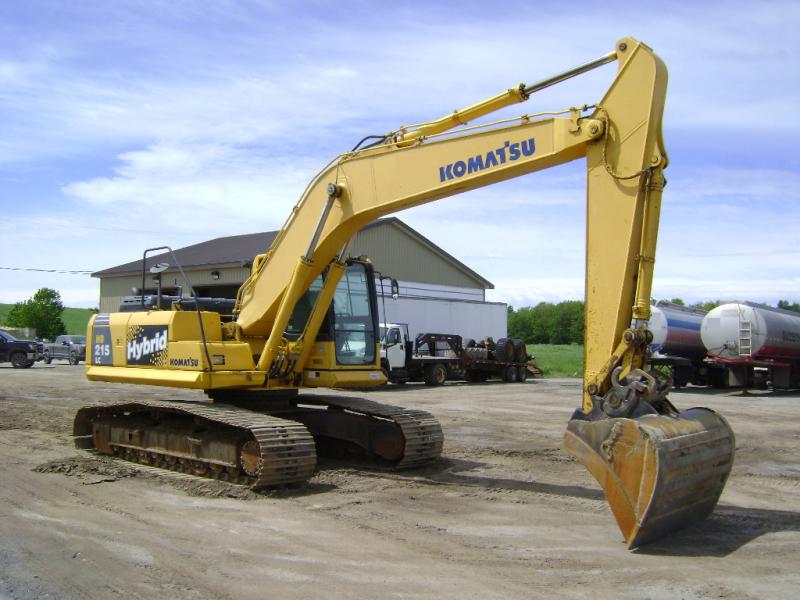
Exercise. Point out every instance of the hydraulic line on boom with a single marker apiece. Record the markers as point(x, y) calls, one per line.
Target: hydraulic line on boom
point(306, 317)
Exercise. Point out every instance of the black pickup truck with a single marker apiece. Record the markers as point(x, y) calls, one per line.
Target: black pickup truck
point(20, 353)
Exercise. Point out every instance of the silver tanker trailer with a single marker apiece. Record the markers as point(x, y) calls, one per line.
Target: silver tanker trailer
point(676, 344)
point(753, 344)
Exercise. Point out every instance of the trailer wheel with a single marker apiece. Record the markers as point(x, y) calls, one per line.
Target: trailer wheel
point(510, 374)
point(435, 374)
point(522, 373)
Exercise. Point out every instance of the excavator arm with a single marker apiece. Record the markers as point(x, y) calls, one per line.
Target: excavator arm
point(660, 469)
point(621, 140)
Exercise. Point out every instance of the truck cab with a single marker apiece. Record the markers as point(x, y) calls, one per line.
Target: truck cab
point(431, 357)
point(71, 348)
point(396, 348)
point(20, 353)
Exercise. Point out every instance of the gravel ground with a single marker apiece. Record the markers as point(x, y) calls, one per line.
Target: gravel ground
point(504, 514)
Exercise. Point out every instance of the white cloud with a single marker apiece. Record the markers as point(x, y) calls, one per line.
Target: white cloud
point(254, 87)
point(213, 120)
point(76, 290)
point(198, 188)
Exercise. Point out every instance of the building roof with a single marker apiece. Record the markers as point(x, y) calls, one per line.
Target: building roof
point(394, 221)
point(239, 251)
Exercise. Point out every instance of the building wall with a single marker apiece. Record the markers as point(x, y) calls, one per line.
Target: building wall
point(113, 289)
point(397, 254)
point(423, 291)
point(476, 320)
point(21, 333)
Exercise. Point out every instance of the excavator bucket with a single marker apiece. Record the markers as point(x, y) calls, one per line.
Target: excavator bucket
point(659, 473)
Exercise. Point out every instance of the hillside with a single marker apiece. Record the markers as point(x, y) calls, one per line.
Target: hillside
point(75, 319)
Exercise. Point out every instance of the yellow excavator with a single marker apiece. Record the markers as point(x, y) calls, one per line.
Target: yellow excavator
point(306, 317)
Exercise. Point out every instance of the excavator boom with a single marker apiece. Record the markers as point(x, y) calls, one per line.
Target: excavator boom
point(660, 469)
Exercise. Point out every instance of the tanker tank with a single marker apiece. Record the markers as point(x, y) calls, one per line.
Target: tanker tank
point(752, 330)
point(676, 330)
point(756, 343)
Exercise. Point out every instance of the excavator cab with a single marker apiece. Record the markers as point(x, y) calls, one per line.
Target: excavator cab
point(345, 347)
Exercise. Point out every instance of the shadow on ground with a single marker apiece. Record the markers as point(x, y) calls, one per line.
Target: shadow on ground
point(751, 394)
point(725, 531)
point(463, 473)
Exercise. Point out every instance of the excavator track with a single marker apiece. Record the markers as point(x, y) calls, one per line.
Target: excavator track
point(404, 438)
point(219, 441)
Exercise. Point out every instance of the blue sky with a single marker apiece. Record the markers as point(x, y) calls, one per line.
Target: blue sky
point(131, 124)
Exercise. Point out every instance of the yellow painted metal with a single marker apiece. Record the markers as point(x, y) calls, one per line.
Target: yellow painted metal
point(388, 179)
point(659, 473)
point(461, 117)
point(190, 354)
point(297, 285)
point(183, 325)
point(654, 184)
point(323, 301)
point(362, 378)
point(180, 378)
point(322, 357)
point(622, 143)
point(616, 169)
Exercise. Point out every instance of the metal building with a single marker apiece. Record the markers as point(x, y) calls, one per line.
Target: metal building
point(437, 291)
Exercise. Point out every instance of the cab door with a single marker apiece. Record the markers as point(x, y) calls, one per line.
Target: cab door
point(3, 348)
point(395, 348)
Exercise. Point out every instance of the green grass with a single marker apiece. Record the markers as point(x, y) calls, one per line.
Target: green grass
point(75, 319)
point(558, 360)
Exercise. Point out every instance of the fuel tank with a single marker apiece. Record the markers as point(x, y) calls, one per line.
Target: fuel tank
point(676, 330)
point(748, 329)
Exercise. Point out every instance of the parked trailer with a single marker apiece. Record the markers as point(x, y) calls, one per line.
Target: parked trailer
point(438, 357)
point(753, 344)
point(508, 360)
point(677, 344)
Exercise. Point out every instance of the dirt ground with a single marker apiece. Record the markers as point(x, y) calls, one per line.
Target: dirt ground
point(504, 514)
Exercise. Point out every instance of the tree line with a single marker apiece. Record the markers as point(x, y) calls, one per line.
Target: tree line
point(548, 323)
point(562, 323)
point(41, 312)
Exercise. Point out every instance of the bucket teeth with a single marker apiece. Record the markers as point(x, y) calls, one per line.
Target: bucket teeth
point(659, 473)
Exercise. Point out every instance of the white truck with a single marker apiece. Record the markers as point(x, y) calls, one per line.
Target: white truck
point(437, 357)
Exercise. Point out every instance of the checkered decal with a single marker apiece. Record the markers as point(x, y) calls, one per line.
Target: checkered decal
point(146, 345)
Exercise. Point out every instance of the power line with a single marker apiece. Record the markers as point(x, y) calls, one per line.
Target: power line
point(95, 227)
point(47, 270)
